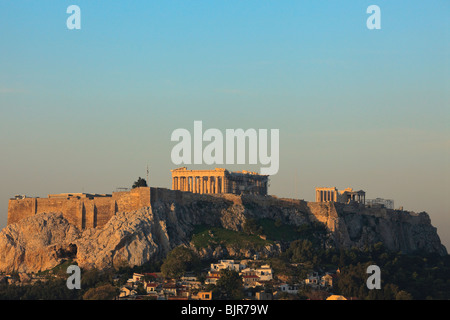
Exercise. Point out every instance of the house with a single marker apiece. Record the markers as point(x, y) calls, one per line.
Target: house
point(261, 295)
point(289, 288)
point(313, 279)
point(169, 289)
point(151, 287)
point(188, 277)
point(250, 280)
point(202, 295)
point(327, 280)
point(227, 264)
point(126, 292)
point(336, 297)
point(264, 272)
point(157, 276)
point(190, 280)
point(138, 277)
point(212, 277)
point(130, 283)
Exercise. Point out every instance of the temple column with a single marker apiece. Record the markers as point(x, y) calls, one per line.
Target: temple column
point(205, 184)
point(204, 190)
point(210, 185)
point(217, 185)
point(202, 184)
point(197, 179)
point(223, 184)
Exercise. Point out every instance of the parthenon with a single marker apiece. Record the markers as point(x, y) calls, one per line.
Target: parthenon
point(343, 196)
point(219, 181)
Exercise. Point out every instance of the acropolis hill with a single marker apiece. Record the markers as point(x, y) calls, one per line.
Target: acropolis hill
point(94, 210)
point(145, 223)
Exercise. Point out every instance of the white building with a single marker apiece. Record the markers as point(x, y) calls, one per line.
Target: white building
point(127, 292)
point(227, 264)
point(265, 273)
point(137, 277)
point(313, 279)
point(289, 288)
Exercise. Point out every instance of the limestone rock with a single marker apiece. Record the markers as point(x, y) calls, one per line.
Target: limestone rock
point(129, 238)
point(36, 243)
point(43, 241)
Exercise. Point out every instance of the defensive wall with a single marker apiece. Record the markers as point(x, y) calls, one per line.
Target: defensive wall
point(81, 209)
point(94, 210)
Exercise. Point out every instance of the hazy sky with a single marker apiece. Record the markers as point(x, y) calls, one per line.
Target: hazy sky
point(86, 110)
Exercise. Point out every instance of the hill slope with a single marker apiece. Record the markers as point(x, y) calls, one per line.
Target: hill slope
point(133, 238)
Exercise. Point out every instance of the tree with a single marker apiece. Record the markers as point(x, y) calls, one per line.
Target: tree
point(178, 261)
point(403, 295)
point(139, 183)
point(303, 251)
point(251, 226)
point(104, 292)
point(230, 285)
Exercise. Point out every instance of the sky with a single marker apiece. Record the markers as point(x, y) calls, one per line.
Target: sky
point(87, 110)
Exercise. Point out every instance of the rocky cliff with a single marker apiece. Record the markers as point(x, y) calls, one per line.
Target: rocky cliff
point(132, 238)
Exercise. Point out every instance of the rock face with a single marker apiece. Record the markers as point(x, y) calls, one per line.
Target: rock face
point(398, 230)
point(37, 243)
point(42, 242)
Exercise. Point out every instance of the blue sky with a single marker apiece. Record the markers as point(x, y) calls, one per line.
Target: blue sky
point(86, 110)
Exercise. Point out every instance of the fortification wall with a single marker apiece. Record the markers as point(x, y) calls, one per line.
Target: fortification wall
point(83, 212)
point(96, 211)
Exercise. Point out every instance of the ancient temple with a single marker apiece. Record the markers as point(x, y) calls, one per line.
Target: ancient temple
point(344, 196)
point(219, 180)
